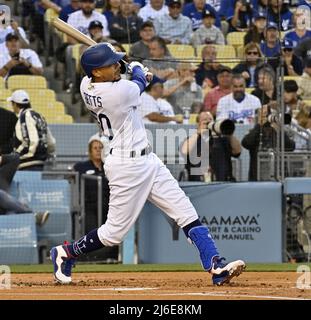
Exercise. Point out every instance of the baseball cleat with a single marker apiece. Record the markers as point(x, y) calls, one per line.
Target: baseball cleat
point(62, 264)
point(224, 272)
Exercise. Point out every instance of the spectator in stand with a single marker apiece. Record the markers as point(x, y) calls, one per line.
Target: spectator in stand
point(96, 29)
point(140, 49)
point(69, 9)
point(183, 91)
point(7, 127)
point(305, 3)
point(18, 61)
point(37, 15)
point(249, 69)
point(224, 79)
point(204, 147)
point(303, 50)
point(33, 139)
point(208, 33)
point(240, 18)
point(279, 13)
point(19, 31)
point(125, 26)
point(96, 33)
point(301, 31)
point(195, 10)
point(112, 9)
point(293, 65)
point(264, 135)
point(94, 166)
point(159, 62)
point(238, 106)
point(293, 103)
point(82, 18)
point(206, 74)
point(155, 109)
point(152, 10)
point(304, 83)
point(8, 204)
point(173, 27)
point(256, 31)
point(271, 46)
point(260, 5)
point(266, 91)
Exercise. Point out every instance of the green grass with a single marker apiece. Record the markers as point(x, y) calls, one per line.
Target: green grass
point(46, 268)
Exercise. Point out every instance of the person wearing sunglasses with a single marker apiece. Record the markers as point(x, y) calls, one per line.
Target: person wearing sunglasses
point(250, 66)
point(293, 65)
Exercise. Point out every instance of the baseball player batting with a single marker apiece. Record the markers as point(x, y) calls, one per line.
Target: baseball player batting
point(134, 172)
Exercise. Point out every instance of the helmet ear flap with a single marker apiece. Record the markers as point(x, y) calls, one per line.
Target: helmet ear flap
point(123, 66)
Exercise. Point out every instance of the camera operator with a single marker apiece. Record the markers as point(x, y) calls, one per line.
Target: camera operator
point(18, 61)
point(209, 150)
point(263, 137)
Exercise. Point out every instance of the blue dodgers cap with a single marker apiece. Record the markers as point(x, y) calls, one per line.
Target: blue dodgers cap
point(287, 44)
point(259, 15)
point(271, 25)
point(208, 13)
point(172, 2)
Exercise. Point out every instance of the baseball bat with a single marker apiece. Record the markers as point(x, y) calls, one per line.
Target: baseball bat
point(72, 32)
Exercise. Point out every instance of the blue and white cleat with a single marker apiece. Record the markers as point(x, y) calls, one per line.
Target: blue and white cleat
point(224, 272)
point(62, 263)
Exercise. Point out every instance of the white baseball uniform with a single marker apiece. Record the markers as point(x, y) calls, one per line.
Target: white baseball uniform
point(132, 179)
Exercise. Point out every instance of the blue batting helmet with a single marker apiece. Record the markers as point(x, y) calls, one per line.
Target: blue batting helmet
point(101, 55)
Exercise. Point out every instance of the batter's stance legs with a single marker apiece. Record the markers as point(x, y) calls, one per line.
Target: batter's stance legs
point(63, 256)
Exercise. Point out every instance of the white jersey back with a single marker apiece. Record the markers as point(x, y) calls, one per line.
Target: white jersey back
point(114, 104)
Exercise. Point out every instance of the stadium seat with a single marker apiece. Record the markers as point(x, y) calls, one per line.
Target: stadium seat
point(53, 107)
point(126, 46)
point(26, 82)
point(193, 118)
point(236, 39)
point(54, 196)
point(2, 83)
point(296, 78)
point(18, 239)
point(181, 51)
point(41, 97)
point(249, 90)
point(225, 52)
point(59, 119)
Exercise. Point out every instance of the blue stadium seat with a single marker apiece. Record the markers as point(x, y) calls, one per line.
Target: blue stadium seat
point(54, 196)
point(18, 239)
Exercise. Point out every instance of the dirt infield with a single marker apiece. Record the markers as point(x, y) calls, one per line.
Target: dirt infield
point(156, 286)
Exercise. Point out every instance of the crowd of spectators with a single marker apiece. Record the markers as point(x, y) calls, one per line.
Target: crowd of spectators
point(276, 32)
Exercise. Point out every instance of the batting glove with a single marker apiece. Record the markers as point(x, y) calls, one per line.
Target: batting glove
point(133, 64)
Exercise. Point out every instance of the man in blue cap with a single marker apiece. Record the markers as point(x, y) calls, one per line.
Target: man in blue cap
point(293, 65)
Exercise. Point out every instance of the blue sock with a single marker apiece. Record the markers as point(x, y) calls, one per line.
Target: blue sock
point(191, 225)
point(88, 243)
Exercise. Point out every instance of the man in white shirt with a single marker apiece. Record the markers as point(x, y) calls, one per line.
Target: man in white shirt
point(15, 60)
point(155, 109)
point(238, 106)
point(81, 19)
point(152, 10)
